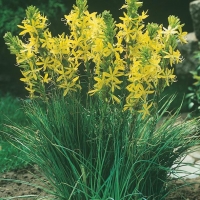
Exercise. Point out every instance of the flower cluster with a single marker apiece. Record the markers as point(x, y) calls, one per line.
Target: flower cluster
point(125, 62)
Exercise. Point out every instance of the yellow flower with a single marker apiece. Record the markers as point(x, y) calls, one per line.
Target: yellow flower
point(168, 76)
point(145, 110)
point(66, 72)
point(98, 86)
point(126, 32)
point(126, 19)
point(143, 16)
point(32, 72)
point(45, 78)
point(101, 49)
point(114, 98)
point(47, 40)
point(130, 102)
point(182, 35)
point(69, 86)
point(26, 79)
point(174, 56)
point(27, 29)
point(30, 89)
point(111, 78)
point(45, 62)
point(169, 31)
point(138, 91)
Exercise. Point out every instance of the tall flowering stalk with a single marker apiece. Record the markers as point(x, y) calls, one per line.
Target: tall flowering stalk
point(125, 62)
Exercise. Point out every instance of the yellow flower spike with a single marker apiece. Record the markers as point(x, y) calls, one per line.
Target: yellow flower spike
point(173, 21)
point(128, 57)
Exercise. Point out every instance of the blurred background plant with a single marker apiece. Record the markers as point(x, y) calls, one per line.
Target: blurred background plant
point(193, 95)
point(105, 144)
point(12, 12)
point(11, 113)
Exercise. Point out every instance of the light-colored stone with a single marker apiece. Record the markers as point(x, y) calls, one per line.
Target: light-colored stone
point(189, 167)
point(195, 155)
point(187, 51)
point(188, 159)
point(195, 15)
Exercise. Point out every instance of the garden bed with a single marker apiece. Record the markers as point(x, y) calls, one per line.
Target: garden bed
point(29, 175)
point(33, 176)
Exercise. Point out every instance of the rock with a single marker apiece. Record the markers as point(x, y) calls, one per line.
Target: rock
point(195, 15)
point(187, 51)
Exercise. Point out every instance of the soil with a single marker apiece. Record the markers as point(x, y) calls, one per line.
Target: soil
point(33, 181)
point(33, 176)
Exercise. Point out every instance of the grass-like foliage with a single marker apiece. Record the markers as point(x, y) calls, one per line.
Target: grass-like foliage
point(93, 152)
